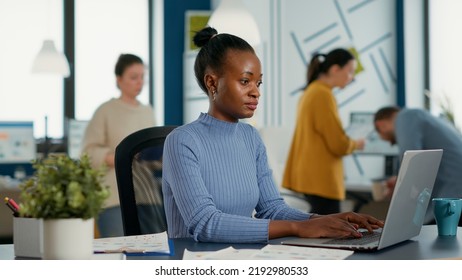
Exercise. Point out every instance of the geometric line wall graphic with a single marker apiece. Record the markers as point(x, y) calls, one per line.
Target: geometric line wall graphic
point(376, 42)
point(343, 19)
point(379, 74)
point(341, 30)
point(326, 45)
point(358, 6)
point(320, 32)
point(313, 26)
point(351, 98)
point(299, 48)
point(387, 64)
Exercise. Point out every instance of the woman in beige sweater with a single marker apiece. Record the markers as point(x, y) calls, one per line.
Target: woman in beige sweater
point(112, 122)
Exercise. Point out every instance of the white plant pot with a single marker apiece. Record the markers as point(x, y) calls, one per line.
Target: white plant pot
point(68, 239)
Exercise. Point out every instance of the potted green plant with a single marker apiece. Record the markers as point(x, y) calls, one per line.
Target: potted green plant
point(67, 194)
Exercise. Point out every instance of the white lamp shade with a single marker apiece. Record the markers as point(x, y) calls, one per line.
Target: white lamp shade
point(231, 16)
point(49, 60)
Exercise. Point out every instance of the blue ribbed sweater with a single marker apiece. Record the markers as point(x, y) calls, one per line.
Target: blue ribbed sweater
point(215, 174)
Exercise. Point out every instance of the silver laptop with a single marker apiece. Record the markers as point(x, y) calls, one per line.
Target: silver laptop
point(406, 212)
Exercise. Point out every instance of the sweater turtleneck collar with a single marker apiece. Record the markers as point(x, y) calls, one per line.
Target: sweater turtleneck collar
point(218, 125)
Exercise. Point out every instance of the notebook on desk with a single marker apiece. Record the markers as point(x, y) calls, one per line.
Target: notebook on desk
point(406, 212)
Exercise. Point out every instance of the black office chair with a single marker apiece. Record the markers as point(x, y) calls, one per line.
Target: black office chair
point(138, 167)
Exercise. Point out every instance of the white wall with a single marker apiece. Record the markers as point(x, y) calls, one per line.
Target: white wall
point(445, 59)
point(292, 30)
point(414, 52)
point(158, 63)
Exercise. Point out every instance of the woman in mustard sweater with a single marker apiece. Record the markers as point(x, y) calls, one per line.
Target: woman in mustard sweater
point(314, 165)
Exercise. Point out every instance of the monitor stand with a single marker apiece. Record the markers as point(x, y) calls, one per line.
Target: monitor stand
point(391, 165)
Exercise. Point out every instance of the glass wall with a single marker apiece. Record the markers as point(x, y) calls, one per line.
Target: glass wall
point(445, 45)
point(25, 96)
point(105, 29)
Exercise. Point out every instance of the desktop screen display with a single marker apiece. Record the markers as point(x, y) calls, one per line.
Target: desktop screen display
point(362, 126)
point(76, 134)
point(17, 142)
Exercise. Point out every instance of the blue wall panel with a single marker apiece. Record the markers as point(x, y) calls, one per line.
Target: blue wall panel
point(174, 16)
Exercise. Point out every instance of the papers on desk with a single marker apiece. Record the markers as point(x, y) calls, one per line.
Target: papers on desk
point(226, 254)
point(109, 256)
point(147, 244)
point(270, 252)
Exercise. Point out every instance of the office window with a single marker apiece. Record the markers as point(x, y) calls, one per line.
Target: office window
point(24, 96)
point(445, 44)
point(103, 30)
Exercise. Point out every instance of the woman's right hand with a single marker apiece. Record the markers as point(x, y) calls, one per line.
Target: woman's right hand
point(359, 144)
point(338, 225)
point(109, 159)
point(334, 225)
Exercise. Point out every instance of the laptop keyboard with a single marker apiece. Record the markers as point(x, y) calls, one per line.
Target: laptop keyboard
point(368, 237)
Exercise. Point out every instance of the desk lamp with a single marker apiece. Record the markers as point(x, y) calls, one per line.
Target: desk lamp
point(50, 61)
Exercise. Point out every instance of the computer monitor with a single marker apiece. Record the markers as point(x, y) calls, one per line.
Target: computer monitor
point(362, 126)
point(75, 137)
point(17, 142)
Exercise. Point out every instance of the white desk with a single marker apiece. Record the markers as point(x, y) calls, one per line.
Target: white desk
point(359, 184)
point(428, 245)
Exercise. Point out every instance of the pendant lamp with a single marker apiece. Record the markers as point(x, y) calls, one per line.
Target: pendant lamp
point(49, 60)
point(231, 16)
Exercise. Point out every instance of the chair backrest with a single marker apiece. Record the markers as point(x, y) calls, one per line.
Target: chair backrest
point(277, 142)
point(138, 167)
